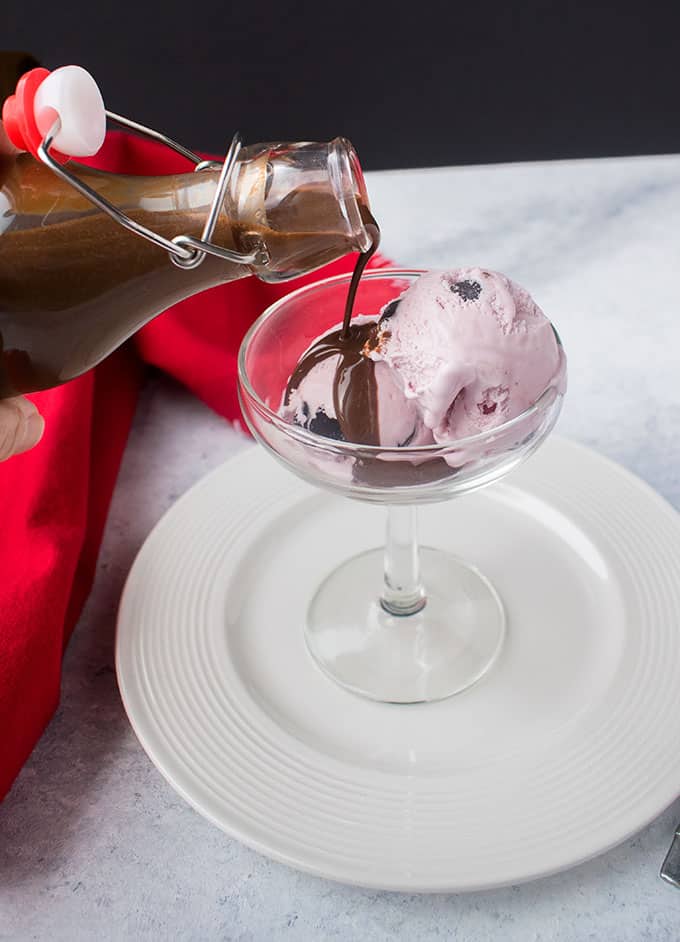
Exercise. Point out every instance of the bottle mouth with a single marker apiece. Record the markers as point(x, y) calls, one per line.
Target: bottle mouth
point(349, 187)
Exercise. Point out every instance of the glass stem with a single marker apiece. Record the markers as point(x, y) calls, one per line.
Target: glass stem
point(403, 593)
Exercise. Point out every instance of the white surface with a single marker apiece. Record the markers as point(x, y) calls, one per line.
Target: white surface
point(544, 763)
point(75, 96)
point(95, 844)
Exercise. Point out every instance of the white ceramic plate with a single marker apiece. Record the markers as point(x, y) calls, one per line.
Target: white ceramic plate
point(568, 746)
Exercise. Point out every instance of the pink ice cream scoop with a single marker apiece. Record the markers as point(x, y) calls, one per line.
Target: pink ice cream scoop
point(458, 353)
point(312, 402)
point(471, 348)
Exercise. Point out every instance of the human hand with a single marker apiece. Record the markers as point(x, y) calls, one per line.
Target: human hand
point(21, 426)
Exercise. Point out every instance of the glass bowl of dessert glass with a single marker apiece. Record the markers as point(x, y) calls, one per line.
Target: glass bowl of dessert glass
point(400, 623)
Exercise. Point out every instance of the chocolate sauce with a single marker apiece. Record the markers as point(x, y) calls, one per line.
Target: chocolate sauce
point(377, 472)
point(355, 393)
point(373, 231)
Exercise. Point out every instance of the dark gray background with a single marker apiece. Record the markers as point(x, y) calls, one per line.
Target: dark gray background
point(410, 84)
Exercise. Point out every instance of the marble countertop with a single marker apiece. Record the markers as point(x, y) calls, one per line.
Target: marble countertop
point(94, 844)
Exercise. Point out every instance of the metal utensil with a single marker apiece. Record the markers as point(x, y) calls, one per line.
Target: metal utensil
point(670, 868)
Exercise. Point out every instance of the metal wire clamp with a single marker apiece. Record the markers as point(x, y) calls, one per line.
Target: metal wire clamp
point(185, 251)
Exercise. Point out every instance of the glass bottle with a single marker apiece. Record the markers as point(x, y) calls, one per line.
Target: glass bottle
point(74, 284)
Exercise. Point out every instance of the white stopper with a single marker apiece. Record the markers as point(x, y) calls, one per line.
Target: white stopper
point(74, 95)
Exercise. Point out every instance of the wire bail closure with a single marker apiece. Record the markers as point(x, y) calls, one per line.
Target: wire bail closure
point(185, 251)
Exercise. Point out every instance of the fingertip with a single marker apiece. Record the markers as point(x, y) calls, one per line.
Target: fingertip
point(27, 408)
point(33, 432)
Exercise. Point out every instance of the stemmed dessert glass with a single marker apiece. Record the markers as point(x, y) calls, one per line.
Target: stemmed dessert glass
point(400, 623)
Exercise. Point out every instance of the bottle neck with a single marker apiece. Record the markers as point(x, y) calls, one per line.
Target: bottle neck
point(305, 202)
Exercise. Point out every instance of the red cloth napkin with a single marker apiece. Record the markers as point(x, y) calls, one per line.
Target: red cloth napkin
point(54, 499)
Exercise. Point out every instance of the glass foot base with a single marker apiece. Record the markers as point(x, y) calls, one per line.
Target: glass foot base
point(430, 655)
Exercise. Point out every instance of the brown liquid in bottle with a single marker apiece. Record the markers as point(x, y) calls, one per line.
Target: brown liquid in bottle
point(74, 284)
